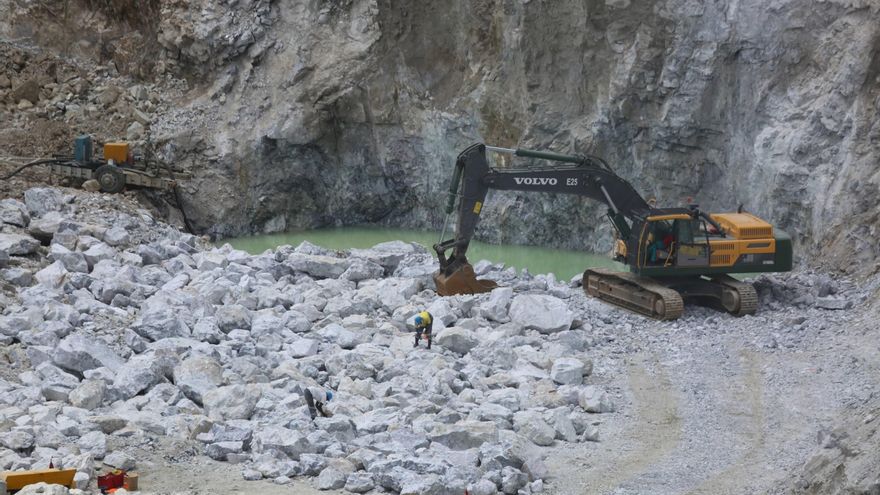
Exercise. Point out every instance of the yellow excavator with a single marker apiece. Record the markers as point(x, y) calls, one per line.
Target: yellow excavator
point(673, 254)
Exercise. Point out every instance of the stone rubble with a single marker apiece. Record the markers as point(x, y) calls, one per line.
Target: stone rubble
point(134, 328)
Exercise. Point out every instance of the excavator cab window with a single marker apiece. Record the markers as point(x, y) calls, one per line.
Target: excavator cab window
point(692, 245)
point(709, 230)
point(684, 231)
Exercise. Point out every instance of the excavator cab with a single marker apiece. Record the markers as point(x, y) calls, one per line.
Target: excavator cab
point(673, 240)
point(659, 243)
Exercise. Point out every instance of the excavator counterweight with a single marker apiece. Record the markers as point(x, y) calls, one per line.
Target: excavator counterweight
point(673, 254)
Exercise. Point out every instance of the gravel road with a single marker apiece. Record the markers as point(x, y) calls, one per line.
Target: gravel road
point(712, 405)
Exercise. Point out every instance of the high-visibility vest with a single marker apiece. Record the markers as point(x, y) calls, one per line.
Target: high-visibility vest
point(426, 318)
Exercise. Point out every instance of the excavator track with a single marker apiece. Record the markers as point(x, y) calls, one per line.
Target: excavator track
point(638, 294)
point(738, 298)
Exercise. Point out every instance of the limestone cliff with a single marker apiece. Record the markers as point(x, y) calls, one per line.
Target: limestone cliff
point(305, 114)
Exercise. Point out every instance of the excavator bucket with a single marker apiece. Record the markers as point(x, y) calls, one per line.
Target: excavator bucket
point(461, 281)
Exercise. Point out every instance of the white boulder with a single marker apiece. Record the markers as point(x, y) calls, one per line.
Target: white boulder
point(198, 375)
point(231, 402)
point(318, 265)
point(18, 244)
point(495, 308)
point(88, 395)
point(80, 352)
point(594, 400)
point(457, 340)
point(41, 200)
point(567, 371)
point(531, 425)
point(546, 314)
point(14, 212)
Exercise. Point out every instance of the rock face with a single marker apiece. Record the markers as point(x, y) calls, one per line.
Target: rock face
point(671, 96)
point(843, 461)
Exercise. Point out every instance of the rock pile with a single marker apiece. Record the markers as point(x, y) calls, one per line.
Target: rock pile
point(809, 289)
point(53, 98)
point(133, 329)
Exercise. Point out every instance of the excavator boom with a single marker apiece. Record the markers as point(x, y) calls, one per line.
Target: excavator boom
point(582, 175)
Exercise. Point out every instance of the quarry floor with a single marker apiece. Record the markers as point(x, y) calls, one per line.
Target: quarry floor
point(717, 408)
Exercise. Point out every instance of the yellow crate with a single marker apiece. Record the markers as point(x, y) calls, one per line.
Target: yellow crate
point(16, 480)
point(118, 152)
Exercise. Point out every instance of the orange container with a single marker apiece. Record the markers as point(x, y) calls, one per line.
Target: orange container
point(118, 152)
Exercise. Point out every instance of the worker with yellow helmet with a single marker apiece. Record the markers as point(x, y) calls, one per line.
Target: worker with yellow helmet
point(423, 323)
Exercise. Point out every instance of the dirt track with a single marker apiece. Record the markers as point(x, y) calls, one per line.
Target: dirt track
point(714, 411)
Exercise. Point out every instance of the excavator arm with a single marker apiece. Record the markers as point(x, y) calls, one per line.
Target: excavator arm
point(473, 177)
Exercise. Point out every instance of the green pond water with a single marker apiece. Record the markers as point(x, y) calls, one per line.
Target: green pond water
point(562, 263)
